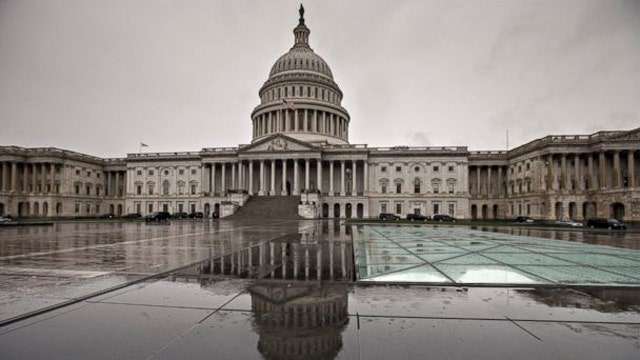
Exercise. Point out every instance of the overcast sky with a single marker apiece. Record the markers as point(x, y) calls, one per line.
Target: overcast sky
point(98, 77)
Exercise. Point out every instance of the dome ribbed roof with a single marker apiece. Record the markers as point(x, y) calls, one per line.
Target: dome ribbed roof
point(301, 59)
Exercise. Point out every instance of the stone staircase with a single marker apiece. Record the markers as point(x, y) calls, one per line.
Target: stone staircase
point(268, 208)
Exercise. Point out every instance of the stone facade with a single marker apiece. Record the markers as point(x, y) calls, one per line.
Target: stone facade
point(300, 147)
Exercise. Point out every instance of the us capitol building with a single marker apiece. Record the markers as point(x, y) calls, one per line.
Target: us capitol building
point(300, 149)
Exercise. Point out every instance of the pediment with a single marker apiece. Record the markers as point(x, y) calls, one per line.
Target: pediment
point(631, 135)
point(277, 143)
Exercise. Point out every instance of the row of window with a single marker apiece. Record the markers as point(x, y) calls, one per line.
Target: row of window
point(435, 168)
point(302, 63)
point(417, 186)
point(451, 208)
point(519, 167)
point(79, 173)
point(166, 187)
point(180, 207)
point(301, 91)
point(152, 172)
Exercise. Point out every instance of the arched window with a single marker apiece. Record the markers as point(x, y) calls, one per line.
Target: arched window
point(165, 187)
point(435, 185)
point(451, 186)
point(383, 186)
point(398, 186)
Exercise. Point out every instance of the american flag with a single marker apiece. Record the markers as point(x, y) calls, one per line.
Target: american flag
point(288, 104)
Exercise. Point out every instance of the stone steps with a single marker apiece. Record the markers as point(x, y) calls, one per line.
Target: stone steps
point(268, 208)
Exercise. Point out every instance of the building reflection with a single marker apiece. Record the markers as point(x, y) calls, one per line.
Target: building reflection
point(299, 320)
point(300, 294)
point(604, 300)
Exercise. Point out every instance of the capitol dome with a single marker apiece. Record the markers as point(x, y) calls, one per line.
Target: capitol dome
point(300, 98)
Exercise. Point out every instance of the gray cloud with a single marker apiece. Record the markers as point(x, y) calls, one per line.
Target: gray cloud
point(100, 76)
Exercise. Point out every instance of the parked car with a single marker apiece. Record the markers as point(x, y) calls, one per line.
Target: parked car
point(106, 216)
point(4, 220)
point(441, 218)
point(180, 215)
point(157, 216)
point(524, 219)
point(387, 216)
point(606, 224)
point(418, 217)
point(132, 216)
point(196, 215)
point(569, 222)
point(215, 215)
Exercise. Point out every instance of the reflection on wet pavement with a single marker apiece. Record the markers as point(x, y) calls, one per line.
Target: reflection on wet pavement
point(286, 291)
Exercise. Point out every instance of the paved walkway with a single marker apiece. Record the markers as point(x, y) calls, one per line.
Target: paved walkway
point(283, 290)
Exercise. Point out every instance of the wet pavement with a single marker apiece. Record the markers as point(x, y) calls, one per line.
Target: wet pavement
point(283, 290)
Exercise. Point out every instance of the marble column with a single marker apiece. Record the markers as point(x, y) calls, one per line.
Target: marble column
point(563, 172)
point(233, 176)
point(576, 169)
point(354, 181)
point(342, 178)
point(213, 179)
point(284, 176)
point(14, 177)
point(117, 189)
point(478, 181)
point(601, 167)
point(499, 181)
point(306, 173)
point(53, 178)
point(272, 192)
point(250, 187)
point(631, 168)
point(223, 178)
point(4, 176)
point(296, 188)
point(365, 178)
point(331, 190)
point(25, 177)
point(591, 177)
point(34, 178)
point(109, 189)
point(617, 176)
point(489, 184)
point(549, 172)
point(261, 180)
point(319, 175)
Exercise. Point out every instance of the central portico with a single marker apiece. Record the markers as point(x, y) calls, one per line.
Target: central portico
point(279, 165)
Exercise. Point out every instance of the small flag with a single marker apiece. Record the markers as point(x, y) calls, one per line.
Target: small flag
point(288, 104)
point(143, 144)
